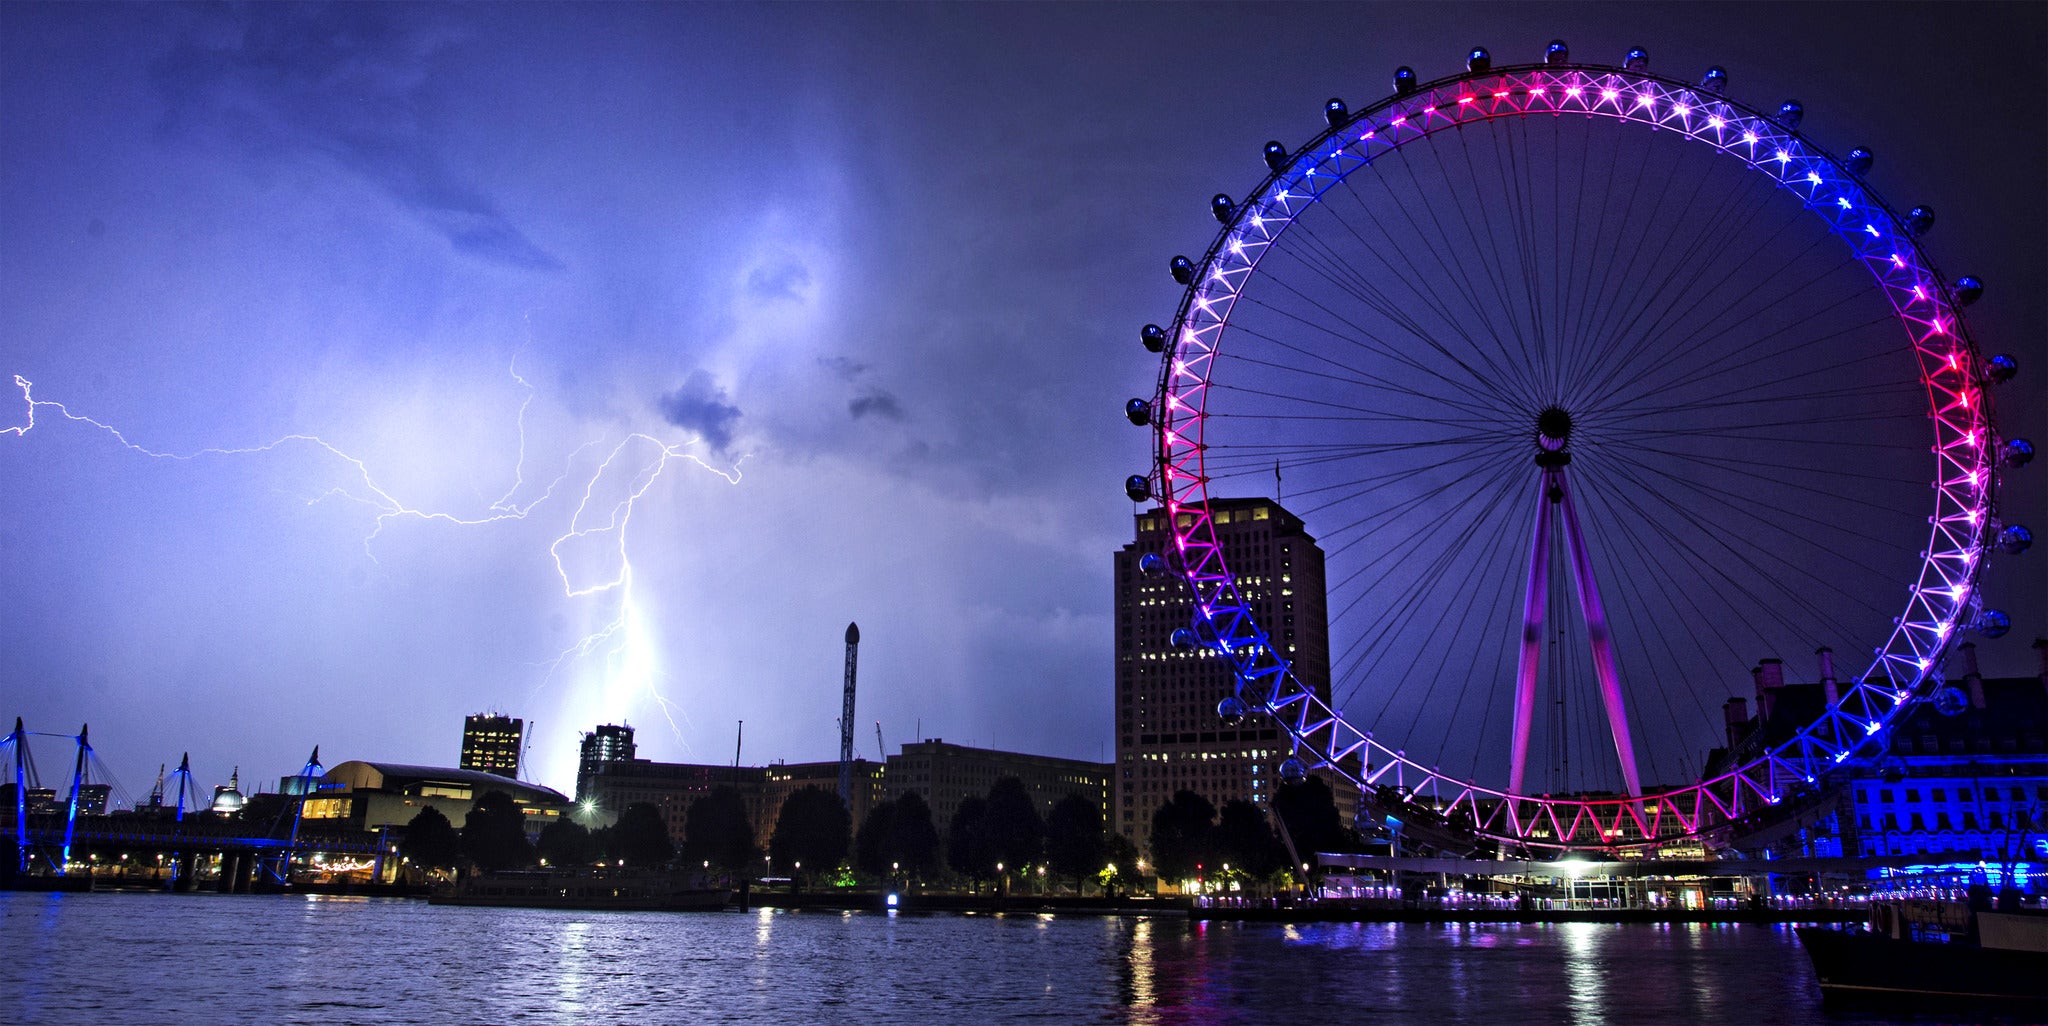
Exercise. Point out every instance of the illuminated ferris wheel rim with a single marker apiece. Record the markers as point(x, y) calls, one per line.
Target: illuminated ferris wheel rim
point(1949, 367)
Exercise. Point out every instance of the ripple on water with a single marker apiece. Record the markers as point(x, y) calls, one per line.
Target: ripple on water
point(92, 958)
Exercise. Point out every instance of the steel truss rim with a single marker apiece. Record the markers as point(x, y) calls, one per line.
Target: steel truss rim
point(1922, 302)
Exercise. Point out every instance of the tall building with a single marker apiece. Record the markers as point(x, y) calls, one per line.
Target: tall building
point(944, 775)
point(491, 743)
point(609, 743)
point(1168, 737)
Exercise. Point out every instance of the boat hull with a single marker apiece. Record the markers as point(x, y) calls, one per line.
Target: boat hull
point(1868, 968)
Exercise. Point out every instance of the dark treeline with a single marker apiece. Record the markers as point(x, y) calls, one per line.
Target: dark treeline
point(991, 839)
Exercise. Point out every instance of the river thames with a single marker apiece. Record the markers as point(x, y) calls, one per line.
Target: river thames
point(99, 958)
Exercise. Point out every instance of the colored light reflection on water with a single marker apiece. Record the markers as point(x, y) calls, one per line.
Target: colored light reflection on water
point(92, 958)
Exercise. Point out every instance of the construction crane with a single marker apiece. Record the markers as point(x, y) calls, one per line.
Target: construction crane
point(881, 750)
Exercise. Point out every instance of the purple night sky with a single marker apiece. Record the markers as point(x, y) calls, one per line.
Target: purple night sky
point(871, 274)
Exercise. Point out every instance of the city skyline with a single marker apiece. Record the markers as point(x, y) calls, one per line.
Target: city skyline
point(907, 332)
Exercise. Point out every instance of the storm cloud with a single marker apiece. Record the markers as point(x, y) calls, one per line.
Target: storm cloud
point(341, 85)
point(701, 406)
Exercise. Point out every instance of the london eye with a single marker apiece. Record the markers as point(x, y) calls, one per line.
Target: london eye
point(1605, 395)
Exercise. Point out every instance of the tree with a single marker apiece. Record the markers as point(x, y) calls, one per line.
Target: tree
point(1309, 812)
point(967, 849)
point(1180, 835)
point(565, 843)
point(718, 831)
point(813, 829)
point(494, 834)
point(430, 841)
point(874, 846)
point(1073, 839)
point(1121, 868)
point(915, 841)
point(1245, 841)
point(1016, 836)
point(640, 837)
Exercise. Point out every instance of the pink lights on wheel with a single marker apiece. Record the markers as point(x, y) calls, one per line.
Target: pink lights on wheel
point(1945, 362)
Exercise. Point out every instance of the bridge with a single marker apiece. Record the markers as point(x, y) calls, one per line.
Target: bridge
point(259, 844)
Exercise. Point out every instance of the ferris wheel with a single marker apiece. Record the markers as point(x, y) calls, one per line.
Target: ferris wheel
point(1596, 388)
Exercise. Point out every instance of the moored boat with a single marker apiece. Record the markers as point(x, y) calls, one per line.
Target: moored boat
point(590, 890)
point(1938, 954)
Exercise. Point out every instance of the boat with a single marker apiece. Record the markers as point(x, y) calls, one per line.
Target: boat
point(1936, 954)
point(586, 890)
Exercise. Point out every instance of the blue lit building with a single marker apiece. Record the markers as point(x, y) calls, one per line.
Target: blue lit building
point(1965, 785)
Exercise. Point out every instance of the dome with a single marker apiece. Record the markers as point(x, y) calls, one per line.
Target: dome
point(227, 799)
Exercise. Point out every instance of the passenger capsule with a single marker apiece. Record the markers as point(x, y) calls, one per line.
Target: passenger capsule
point(1790, 113)
point(1232, 710)
point(2001, 368)
point(1222, 206)
point(1293, 771)
point(1404, 80)
point(1151, 564)
point(1139, 411)
point(2015, 539)
point(1335, 112)
point(1638, 59)
point(1154, 337)
point(1184, 638)
point(1715, 80)
point(1919, 219)
point(1183, 269)
point(1969, 289)
point(1993, 623)
point(2018, 453)
point(1138, 487)
point(1557, 53)
point(1860, 160)
point(1950, 701)
point(1477, 59)
point(1276, 155)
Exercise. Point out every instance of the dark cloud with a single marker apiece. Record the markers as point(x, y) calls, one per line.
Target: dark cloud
point(700, 405)
point(343, 84)
point(846, 367)
point(876, 402)
point(784, 280)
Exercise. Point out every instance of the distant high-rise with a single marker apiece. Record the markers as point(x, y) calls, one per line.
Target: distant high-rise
point(609, 743)
point(1168, 736)
point(491, 743)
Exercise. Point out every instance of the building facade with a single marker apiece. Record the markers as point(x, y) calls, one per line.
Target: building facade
point(607, 786)
point(491, 743)
point(375, 795)
point(781, 780)
point(1966, 787)
point(944, 775)
point(1168, 736)
point(1961, 789)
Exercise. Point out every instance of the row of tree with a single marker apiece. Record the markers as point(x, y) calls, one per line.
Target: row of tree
point(1191, 840)
point(493, 837)
point(988, 837)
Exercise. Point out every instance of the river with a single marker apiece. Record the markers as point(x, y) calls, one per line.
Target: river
point(162, 958)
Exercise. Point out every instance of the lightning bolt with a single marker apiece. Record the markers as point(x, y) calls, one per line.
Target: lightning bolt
point(628, 653)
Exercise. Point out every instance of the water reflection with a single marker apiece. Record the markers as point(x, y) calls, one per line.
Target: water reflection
point(78, 959)
point(1585, 972)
